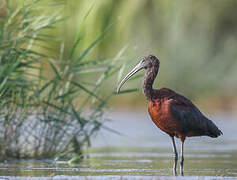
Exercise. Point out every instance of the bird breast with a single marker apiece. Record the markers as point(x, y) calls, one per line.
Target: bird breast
point(161, 115)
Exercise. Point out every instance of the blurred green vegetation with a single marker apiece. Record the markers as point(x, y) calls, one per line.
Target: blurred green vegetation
point(48, 108)
point(59, 59)
point(195, 41)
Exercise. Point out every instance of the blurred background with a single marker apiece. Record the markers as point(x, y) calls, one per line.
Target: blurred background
point(196, 42)
point(62, 60)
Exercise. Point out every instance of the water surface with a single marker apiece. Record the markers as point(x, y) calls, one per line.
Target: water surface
point(142, 151)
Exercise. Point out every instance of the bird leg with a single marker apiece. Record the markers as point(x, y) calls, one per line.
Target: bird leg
point(175, 157)
point(182, 158)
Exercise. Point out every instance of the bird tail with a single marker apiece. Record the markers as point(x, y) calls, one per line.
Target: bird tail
point(213, 130)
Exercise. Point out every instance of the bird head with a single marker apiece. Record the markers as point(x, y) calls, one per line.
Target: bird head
point(146, 63)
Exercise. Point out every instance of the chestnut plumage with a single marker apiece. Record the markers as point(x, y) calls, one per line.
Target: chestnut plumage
point(171, 112)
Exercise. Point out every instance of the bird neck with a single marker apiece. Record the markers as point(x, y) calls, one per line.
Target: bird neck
point(149, 80)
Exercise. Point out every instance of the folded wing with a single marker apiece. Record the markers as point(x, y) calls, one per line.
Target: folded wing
point(192, 121)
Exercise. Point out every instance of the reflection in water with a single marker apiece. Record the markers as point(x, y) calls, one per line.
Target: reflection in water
point(143, 152)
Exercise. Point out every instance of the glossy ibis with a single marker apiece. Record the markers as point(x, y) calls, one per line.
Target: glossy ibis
point(170, 111)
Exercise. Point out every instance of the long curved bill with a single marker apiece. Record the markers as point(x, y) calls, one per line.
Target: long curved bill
point(134, 71)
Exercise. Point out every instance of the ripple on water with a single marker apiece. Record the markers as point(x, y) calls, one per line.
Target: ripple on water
point(205, 158)
point(63, 177)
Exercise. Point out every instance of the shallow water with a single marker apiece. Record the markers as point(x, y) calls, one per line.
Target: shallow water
point(141, 152)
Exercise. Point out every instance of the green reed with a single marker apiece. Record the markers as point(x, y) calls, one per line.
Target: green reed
point(47, 107)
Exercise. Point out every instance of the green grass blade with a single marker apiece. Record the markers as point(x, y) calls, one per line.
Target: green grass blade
point(85, 89)
point(95, 42)
point(127, 91)
point(79, 34)
point(55, 69)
